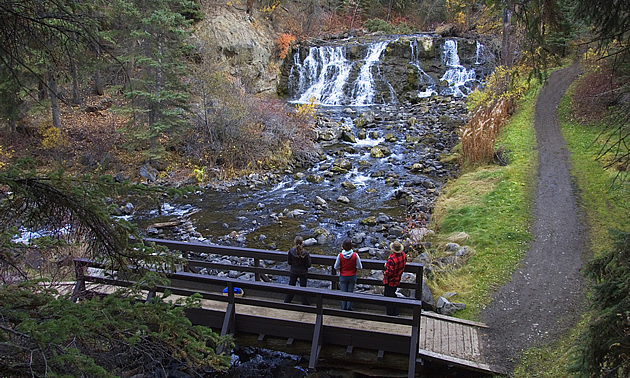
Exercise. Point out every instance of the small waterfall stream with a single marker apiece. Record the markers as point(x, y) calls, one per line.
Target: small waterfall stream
point(382, 151)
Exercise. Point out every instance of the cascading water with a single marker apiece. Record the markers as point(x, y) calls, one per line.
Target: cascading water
point(324, 73)
point(425, 80)
point(363, 89)
point(457, 76)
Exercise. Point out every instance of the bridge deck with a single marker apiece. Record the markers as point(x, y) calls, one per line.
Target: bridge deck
point(441, 338)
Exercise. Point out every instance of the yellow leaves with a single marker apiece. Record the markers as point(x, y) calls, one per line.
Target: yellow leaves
point(4, 156)
point(52, 138)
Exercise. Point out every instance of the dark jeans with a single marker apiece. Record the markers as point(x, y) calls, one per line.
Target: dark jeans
point(293, 277)
point(347, 284)
point(390, 291)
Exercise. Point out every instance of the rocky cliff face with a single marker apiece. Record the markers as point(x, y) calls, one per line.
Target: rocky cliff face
point(243, 44)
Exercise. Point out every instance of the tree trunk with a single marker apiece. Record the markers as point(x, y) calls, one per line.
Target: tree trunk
point(54, 99)
point(98, 83)
point(76, 90)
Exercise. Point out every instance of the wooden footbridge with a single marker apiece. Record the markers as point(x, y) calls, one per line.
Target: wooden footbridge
point(419, 336)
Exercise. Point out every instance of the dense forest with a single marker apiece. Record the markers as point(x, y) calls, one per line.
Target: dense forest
point(99, 97)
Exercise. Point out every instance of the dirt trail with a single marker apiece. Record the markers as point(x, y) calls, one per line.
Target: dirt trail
point(545, 296)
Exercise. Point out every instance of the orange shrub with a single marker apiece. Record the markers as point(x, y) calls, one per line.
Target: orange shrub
point(284, 41)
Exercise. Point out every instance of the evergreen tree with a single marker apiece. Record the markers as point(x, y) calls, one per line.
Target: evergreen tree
point(151, 40)
point(604, 350)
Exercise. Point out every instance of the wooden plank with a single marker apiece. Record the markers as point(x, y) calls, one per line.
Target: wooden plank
point(481, 367)
point(476, 349)
point(450, 319)
point(454, 338)
point(468, 355)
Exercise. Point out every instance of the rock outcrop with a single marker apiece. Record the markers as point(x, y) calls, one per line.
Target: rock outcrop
point(243, 44)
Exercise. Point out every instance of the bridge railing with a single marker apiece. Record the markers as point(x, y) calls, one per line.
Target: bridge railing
point(260, 272)
point(228, 321)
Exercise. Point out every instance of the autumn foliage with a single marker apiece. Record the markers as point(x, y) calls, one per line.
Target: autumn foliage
point(284, 42)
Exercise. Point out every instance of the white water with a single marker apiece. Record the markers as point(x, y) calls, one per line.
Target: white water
point(456, 75)
point(325, 71)
point(363, 90)
point(429, 83)
point(327, 76)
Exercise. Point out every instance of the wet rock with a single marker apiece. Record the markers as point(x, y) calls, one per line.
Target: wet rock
point(310, 242)
point(128, 209)
point(347, 136)
point(374, 135)
point(152, 231)
point(298, 175)
point(320, 201)
point(389, 137)
point(316, 179)
point(343, 199)
point(343, 163)
point(376, 152)
point(385, 150)
point(417, 167)
point(348, 185)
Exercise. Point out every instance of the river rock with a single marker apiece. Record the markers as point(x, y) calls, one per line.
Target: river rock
point(128, 209)
point(316, 179)
point(376, 152)
point(319, 201)
point(451, 247)
point(310, 242)
point(369, 221)
point(343, 199)
point(389, 137)
point(348, 185)
point(347, 136)
point(343, 163)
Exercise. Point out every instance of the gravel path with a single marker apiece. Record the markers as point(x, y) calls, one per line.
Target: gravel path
point(545, 296)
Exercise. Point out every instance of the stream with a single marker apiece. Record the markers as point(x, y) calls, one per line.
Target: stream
point(385, 156)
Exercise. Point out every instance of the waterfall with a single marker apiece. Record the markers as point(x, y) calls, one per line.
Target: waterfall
point(425, 79)
point(456, 75)
point(324, 73)
point(355, 74)
point(363, 90)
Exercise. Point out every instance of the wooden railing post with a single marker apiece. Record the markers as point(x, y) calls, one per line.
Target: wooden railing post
point(419, 278)
point(79, 287)
point(185, 256)
point(229, 322)
point(257, 266)
point(414, 342)
point(317, 332)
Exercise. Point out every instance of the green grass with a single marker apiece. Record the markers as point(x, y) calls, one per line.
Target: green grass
point(492, 204)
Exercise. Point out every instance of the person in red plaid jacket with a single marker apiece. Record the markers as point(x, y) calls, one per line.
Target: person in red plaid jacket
point(394, 268)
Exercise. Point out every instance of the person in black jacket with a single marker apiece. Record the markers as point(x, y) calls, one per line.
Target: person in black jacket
point(299, 260)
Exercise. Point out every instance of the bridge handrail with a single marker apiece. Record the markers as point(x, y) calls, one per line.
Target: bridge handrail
point(260, 254)
point(265, 287)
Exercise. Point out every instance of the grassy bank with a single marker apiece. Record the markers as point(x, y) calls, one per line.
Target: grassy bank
point(493, 205)
point(605, 205)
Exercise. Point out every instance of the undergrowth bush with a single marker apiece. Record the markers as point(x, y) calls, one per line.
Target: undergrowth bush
point(490, 109)
point(236, 130)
